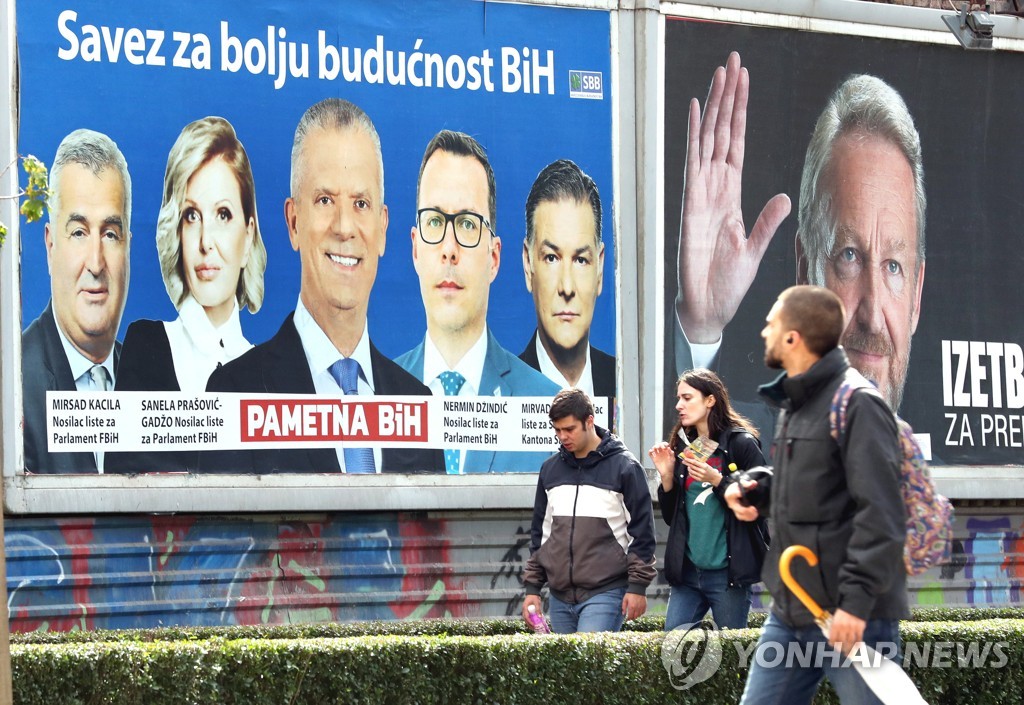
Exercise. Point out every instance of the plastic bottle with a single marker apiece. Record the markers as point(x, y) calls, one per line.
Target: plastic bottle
point(537, 621)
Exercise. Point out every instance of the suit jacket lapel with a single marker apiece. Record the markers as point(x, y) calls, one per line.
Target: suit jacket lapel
point(529, 355)
point(380, 380)
point(415, 359)
point(287, 372)
point(61, 379)
point(602, 367)
point(495, 368)
point(53, 350)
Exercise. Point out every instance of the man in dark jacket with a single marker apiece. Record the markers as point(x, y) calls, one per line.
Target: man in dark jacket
point(842, 501)
point(593, 526)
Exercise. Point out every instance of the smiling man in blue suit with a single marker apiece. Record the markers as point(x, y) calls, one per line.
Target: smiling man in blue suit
point(457, 255)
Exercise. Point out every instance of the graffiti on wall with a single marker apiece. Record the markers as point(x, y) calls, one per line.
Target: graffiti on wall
point(135, 572)
point(70, 574)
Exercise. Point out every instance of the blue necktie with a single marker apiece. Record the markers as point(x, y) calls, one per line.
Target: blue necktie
point(451, 382)
point(346, 373)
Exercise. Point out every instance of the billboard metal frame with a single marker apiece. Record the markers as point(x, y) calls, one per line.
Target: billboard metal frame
point(638, 135)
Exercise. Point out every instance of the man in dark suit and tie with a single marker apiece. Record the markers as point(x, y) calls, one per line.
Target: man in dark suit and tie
point(337, 221)
point(563, 260)
point(72, 345)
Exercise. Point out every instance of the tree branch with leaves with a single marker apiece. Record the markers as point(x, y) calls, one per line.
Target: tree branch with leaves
point(35, 193)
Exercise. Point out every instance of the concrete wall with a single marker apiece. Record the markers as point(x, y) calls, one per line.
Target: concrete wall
point(121, 572)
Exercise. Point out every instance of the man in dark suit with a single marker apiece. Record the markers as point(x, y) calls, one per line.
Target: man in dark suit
point(563, 260)
point(337, 221)
point(72, 345)
point(457, 255)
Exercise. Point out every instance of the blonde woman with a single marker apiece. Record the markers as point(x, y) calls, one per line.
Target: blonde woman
point(212, 258)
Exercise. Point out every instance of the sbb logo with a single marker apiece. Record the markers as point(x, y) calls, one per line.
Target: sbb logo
point(586, 84)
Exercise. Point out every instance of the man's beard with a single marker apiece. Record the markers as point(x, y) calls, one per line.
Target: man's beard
point(896, 372)
point(772, 360)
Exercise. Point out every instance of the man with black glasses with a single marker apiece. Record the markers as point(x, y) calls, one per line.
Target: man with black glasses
point(457, 255)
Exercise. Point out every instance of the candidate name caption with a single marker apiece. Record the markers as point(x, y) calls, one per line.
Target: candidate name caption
point(84, 425)
point(174, 414)
point(455, 425)
point(83, 429)
point(540, 435)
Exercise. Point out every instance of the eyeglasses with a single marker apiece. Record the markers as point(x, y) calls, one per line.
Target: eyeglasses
point(467, 226)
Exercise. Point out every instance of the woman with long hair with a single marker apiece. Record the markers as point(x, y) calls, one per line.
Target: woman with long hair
point(213, 258)
point(712, 558)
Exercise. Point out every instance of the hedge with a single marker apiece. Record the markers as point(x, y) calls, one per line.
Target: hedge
point(426, 627)
point(524, 669)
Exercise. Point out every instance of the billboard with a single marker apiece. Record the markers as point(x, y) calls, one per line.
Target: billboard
point(922, 248)
point(277, 235)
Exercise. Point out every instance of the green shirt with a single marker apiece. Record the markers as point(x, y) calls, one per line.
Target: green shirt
point(706, 541)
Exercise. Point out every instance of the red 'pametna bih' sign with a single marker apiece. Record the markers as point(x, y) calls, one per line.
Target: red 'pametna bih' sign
point(326, 420)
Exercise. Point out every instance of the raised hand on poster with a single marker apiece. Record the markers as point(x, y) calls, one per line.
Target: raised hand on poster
point(717, 261)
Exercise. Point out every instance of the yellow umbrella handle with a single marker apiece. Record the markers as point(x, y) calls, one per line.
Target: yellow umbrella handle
point(787, 577)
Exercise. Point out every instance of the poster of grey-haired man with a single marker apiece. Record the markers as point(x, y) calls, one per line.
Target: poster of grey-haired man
point(842, 143)
point(73, 345)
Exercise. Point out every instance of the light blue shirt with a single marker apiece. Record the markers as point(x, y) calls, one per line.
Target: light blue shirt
point(321, 354)
point(81, 365)
point(81, 370)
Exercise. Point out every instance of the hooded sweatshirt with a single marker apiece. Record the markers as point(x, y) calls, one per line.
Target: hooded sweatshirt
point(593, 524)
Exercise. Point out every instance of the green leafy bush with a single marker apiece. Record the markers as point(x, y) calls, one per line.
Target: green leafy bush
point(512, 668)
point(425, 627)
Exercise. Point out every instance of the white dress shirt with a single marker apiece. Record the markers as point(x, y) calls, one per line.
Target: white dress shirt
point(198, 347)
point(548, 369)
point(321, 354)
point(471, 366)
point(81, 370)
point(701, 354)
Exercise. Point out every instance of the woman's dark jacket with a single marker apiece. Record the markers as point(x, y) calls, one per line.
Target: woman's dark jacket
point(746, 541)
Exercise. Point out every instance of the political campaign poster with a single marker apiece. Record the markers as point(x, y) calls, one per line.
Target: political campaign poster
point(886, 170)
point(260, 209)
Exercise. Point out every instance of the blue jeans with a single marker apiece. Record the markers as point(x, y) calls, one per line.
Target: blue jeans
point(601, 613)
point(775, 678)
point(702, 590)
